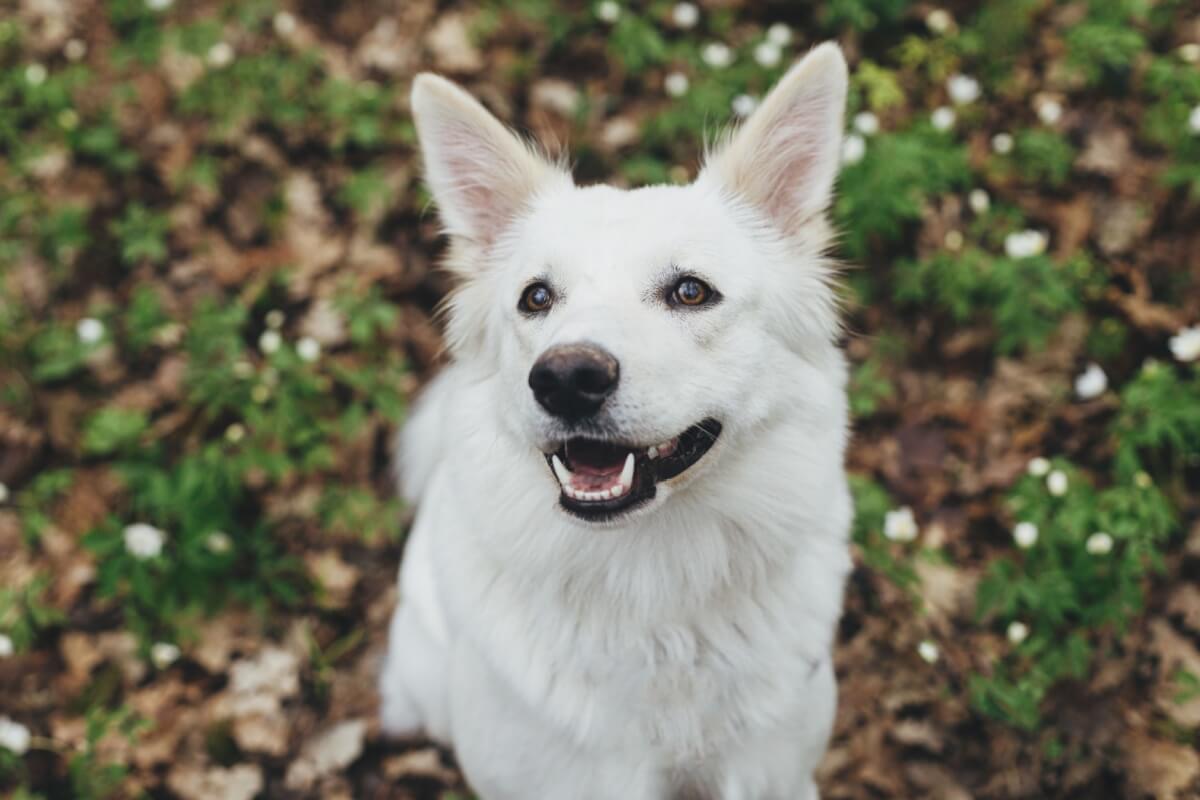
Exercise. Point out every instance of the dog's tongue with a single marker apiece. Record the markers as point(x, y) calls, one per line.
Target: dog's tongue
point(592, 458)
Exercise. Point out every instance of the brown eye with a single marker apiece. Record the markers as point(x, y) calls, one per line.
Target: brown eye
point(691, 292)
point(536, 298)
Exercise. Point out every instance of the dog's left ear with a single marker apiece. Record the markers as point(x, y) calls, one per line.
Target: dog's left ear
point(785, 158)
point(482, 175)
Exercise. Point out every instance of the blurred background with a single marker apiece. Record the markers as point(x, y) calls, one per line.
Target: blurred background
point(217, 294)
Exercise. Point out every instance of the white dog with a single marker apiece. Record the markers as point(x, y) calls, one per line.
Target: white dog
point(628, 559)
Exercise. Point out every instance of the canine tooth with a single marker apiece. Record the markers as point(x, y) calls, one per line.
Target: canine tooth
point(618, 490)
point(625, 482)
point(561, 472)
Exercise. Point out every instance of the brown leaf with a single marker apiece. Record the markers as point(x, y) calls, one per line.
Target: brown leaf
point(1161, 769)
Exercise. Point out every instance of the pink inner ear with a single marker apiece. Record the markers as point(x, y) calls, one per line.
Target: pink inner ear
point(485, 181)
point(793, 164)
point(800, 159)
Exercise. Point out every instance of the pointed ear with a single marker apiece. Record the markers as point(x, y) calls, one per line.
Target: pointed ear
point(785, 158)
point(481, 174)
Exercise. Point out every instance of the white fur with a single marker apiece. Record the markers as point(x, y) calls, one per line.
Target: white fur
point(683, 651)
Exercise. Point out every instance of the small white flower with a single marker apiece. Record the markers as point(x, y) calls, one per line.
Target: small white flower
point(274, 319)
point(1025, 534)
point(1099, 544)
point(6, 646)
point(779, 34)
point(717, 55)
point(1017, 632)
point(899, 525)
point(676, 84)
point(1091, 383)
point(89, 330)
point(218, 543)
point(35, 74)
point(242, 369)
point(854, 147)
point(943, 118)
point(1025, 244)
point(939, 20)
point(1143, 480)
point(979, 201)
point(1057, 483)
point(309, 349)
point(284, 23)
point(1002, 143)
point(75, 49)
point(14, 736)
point(685, 15)
point(1185, 345)
point(744, 104)
point(608, 11)
point(260, 394)
point(963, 89)
point(144, 541)
point(954, 240)
point(768, 54)
point(159, 5)
point(220, 55)
point(1038, 467)
point(928, 651)
point(163, 654)
point(1190, 52)
point(1194, 120)
point(866, 123)
point(3, 493)
point(235, 432)
point(270, 342)
point(1049, 111)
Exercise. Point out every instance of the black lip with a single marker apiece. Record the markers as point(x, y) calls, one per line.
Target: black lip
point(693, 444)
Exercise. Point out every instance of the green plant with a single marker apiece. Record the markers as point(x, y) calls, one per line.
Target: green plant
point(1079, 582)
point(1025, 298)
point(1158, 426)
point(142, 235)
point(24, 612)
point(1100, 49)
point(871, 505)
point(879, 196)
point(93, 778)
point(1043, 156)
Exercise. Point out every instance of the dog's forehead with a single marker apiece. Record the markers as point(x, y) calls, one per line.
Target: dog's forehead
point(603, 226)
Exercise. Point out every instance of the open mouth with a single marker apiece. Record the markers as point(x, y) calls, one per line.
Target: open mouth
point(600, 480)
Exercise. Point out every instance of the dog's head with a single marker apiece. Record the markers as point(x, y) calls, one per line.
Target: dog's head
point(635, 335)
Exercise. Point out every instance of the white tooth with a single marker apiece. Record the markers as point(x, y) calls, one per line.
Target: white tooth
point(561, 472)
point(618, 490)
point(591, 497)
point(626, 479)
point(653, 452)
point(606, 494)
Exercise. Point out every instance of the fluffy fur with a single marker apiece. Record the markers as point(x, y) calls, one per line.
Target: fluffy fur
point(682, 651)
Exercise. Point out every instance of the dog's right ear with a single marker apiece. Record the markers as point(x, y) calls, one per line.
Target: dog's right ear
point(481, 174)
point(785, 158)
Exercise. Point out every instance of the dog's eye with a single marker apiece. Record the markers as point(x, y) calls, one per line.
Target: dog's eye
point(536, 298)
point(691, 292)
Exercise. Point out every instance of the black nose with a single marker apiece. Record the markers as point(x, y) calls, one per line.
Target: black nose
point(571, 381)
